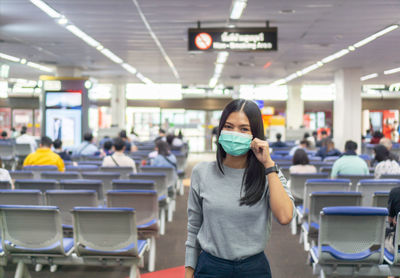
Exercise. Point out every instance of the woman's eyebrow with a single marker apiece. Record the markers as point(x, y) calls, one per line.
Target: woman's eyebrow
point(239, 125)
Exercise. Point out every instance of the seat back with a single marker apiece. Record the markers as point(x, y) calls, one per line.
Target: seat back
point(159, 178)
point(38, 169)
point(181, 161)
point(297, 183)
point(60, 175)
point(104, 230)
point(380, 199)
point(352, 231)
point(5, 185)
point(331, 159)
point(31, 227)
point(319, 164)
point(368, 187)
point(82, 168)
point(145, 202)
point(390, 177)
point(319, 200)
point(123, 171)
point(321, 185)
point(22, 149)
point(90, 162)
point(169, 171)
point(6, 149)
point(21, 197)
point(66, 200)
point(105, 177)
point(326, 169)
point(41, 185)
point(355, 179)
point(83, 184)
point(133, 185)
point(21, 175)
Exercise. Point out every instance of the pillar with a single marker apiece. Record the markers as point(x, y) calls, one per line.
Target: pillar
point(118, 105)
point(347, 108)
point(208, 132)
point(294, 107)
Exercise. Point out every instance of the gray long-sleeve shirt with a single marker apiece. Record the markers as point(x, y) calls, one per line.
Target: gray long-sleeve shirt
point(217, 223)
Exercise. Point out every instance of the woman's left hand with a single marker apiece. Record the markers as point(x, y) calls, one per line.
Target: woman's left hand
point(260, 149)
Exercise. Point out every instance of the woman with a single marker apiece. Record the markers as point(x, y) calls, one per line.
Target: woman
point(386, 164)
point(231, 200)
point(164, 157)
point(301, 163)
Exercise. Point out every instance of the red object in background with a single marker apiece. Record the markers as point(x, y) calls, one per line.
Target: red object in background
point(144, 162)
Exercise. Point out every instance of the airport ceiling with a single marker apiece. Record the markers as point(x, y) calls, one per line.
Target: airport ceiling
point(308, 30)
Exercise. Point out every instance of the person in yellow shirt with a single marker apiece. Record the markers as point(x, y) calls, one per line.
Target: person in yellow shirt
point(45, 156)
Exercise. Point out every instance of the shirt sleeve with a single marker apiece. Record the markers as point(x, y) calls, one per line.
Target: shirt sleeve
point(27, 160)
point(195, 220)
point(287, 189)
point(335, 170)
point(60, 164)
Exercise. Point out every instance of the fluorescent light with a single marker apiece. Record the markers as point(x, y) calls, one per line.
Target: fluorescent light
point(106, 52)
point(129, 68)
point(387, 30)
point(376, 35)
point(291, 77)
point(391, 71)
point(213, 82)
point(351, 48)
point(9, 58)
point(39, 67)
point(311, 68)
point(222, 57)
point(62, 21)
point(237, 9)
point(23, 61)
point(369, 76)
point(46, 8)
point(143, 78)
point(82, 35)
point(278, 82)
point(335, 56)
point(218, 69)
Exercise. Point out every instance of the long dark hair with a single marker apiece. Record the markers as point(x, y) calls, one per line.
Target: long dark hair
point(254, 176)
point(300, 157)
point(163, 148)
point(381, 153)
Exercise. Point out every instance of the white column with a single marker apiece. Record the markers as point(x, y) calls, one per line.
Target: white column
point(118, 105)
point(294, 107)
point(347, 108)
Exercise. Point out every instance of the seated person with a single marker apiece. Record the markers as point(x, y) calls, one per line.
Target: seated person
point(174, 141)
point(107, 148)
point(25, 138)
point(128, 145)
point(304, 144)
point(394, 209)
point(386, 164)
point(5, 175)
point(278, 143)
point(57, 144)
point(301, 163)
point(164, 156)
point(4, 136)
point(44, 156)
point(118, 158)
point(388, 144)
point(350, 163)
point(87, 147)
point(328, 149)
point(376, 137)
point(324, 136)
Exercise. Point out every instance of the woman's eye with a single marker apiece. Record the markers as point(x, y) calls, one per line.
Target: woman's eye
point(245, 129)
point(227, 126)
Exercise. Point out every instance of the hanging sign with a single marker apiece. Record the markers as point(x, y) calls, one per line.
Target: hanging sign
point(233, 39)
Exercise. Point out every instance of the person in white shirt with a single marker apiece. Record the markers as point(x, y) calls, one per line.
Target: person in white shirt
point(87, 147)
point(386, 164)
point(118, 158)
point(4, 175)
point(26, 139)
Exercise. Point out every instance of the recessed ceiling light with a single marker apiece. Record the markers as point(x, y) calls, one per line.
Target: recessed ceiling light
point(287, 11)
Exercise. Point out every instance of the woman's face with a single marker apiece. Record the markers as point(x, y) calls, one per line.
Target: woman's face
point(238, 122)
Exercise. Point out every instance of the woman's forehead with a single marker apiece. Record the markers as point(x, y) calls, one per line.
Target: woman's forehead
point(239, 118)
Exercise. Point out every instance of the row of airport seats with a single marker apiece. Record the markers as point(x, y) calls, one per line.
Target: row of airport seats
point(145, 202)
point(33, 235)
point(351, 243)
point(342, 248)
point(161, 180)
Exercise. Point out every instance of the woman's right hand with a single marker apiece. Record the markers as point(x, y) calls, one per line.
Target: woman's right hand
point(189, 272)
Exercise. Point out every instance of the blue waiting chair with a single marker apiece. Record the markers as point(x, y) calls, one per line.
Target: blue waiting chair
point(84, 184)
point(350, 241)
point(368, 187)
point(21, 197)
point(42, 185)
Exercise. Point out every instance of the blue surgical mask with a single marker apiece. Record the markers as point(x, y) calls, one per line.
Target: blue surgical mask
point(235, 143)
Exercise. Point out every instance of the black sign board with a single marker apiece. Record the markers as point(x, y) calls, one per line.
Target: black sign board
point(233, 39)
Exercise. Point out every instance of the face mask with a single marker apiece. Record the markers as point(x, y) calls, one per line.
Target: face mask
point(235, 143)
